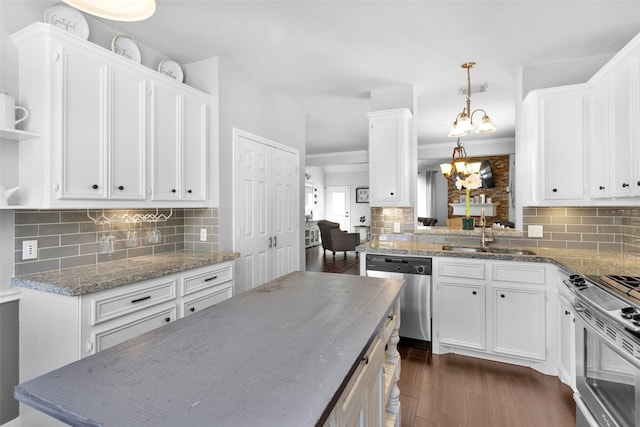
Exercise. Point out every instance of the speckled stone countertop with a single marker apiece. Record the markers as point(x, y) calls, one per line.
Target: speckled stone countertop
point(94, 278)
point(586, 262)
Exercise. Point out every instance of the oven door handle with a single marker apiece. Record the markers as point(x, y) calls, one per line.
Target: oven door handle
point(584, 323)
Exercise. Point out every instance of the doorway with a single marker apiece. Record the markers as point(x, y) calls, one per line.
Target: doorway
point(266, 210)
point(338, 201)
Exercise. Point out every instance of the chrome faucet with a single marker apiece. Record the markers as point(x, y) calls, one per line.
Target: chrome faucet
point(483, 237)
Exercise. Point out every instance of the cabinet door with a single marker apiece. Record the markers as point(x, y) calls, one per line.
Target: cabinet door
point(620, 135)
point(462, 315)
point(599, 140)
point(166, 138)
point(82, 132)
point(563, 129)
point(112, 333)
point(194, 147)
point(519, 322)
point(128, 135)
point(390, 158)
point(567, 362)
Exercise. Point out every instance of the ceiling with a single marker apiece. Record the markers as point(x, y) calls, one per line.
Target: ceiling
point(327, 56)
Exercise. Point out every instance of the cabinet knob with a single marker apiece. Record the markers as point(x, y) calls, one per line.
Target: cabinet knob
point(121, 187)
point(392, 194)
point(602, 187)
point(625, 185)
point(365, 360)
point(566, 312)
point(192, 309)
point(555, 190)
point(173, 190)
point(638, 183)
point(189, 191)
point(501, 295)
point(475, 292)
point(95, 186)
point(167, 319)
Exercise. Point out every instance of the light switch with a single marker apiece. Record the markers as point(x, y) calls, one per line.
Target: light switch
point(535, 231)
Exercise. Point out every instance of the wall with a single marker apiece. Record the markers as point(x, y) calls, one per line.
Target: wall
point(69, 238)
point(355, 176)
point(499, 194)
point(247, 104)
point(318, 181)
point(573, 228)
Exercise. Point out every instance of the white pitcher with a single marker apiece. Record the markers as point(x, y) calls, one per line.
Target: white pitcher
point(8, 110)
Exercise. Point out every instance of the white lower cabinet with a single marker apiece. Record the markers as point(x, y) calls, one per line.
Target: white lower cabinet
point(566, 335)
point(371, 397)
point(68, 328)
point(519, 322)
point(467, 298)
point(492, 309)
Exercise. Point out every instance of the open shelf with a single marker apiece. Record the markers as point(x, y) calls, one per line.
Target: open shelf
point(17, 135)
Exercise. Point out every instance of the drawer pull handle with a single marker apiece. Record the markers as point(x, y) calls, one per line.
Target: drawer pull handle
point(566, 312)
point(501, 295)
point(133, 301)
point(167, 319)
point(192, 309)
point(210, 278)
point(391, 317)
point(474, 292)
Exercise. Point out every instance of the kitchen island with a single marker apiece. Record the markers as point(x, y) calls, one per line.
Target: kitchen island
point(285, 353)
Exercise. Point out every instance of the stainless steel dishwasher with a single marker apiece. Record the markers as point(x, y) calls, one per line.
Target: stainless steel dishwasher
point(415, 300)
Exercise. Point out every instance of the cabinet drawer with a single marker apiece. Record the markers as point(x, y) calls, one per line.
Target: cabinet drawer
point(206, 279)
point(462, 269)
point(116, 303)
point(518, 273)
point(197, 303)
point(116, 332)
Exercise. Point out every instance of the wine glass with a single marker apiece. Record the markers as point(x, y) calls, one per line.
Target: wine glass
point(153, 236)
point(132, 237)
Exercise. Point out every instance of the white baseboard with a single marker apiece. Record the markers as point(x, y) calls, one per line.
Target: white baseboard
point(13, 423)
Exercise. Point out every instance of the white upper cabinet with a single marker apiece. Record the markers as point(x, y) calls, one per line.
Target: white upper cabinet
point(615, 131)
point(179, 144)
point(555, 134)
point(392, 158)
point(113, 132)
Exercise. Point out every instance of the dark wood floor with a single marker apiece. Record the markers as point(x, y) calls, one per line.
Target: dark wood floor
point(450, 390)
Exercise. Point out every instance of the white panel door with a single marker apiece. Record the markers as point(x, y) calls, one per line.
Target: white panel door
point(266, 211)
point(338, 199)
point(285, 211)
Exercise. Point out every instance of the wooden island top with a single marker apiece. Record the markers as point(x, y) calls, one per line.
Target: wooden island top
point(279, 354)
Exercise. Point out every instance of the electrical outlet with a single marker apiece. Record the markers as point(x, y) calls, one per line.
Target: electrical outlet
point(203, 234)
point(29, 249)
point(535, 231)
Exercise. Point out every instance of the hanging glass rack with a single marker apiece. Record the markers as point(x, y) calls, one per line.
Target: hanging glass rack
point(102, 218)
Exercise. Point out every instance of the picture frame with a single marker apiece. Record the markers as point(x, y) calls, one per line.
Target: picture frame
point(362, 195)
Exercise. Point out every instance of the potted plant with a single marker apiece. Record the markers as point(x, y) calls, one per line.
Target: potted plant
point(470, 182)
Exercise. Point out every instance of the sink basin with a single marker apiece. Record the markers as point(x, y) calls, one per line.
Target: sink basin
point(464, 249)
point(510, 251)
point(476, 249)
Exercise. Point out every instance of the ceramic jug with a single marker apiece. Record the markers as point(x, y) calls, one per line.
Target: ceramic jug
point(8, 110)
point(5, 194)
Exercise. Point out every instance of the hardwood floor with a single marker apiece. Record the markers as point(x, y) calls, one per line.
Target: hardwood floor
point(450, 390)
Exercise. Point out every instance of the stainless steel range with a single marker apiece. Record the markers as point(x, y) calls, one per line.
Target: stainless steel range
point(607, 350)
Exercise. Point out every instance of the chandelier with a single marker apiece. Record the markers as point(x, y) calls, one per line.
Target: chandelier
point(464, 120)
point(459, 164)
point(117, 10)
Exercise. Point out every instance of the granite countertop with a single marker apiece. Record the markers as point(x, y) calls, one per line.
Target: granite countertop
point(279, 354)
point(94, 278)
point(581, 261)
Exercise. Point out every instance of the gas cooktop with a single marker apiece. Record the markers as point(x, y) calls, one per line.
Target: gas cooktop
point(614, 296)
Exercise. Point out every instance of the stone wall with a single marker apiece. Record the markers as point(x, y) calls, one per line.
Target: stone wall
point(499, 194)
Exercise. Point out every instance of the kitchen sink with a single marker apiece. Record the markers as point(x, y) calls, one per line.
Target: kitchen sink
point(476, 249)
